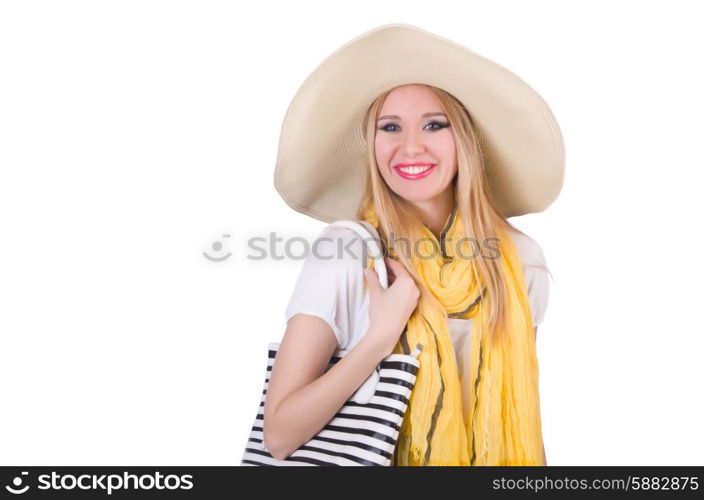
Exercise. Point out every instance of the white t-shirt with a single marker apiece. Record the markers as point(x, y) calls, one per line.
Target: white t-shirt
point(331, 286)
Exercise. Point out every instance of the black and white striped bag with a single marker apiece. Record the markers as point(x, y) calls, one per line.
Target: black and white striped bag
point(365, 430)
point(360, 433)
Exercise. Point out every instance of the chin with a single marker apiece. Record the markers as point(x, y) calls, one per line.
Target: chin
point(418, 195)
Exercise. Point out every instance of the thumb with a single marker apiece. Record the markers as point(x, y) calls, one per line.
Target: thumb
point(372, 280)
point(396, 267)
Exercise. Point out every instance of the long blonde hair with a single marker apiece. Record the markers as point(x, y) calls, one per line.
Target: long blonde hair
point(472, 195)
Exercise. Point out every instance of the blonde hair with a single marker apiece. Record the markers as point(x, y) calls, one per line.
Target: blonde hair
point(471, 192)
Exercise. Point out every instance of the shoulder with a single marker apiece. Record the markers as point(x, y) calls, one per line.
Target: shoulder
point(336, 251)
point(341, 244)
point(338, 232)
point(536, 274)
point(530, 252)
point(331, 282)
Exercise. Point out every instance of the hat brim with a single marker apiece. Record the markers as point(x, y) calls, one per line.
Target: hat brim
point(322, 148)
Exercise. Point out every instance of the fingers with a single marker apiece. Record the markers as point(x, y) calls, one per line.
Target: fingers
point(390, 275)
point(396, 267)
point(372, 280)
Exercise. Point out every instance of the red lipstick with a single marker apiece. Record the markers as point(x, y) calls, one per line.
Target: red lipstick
point(414, 171)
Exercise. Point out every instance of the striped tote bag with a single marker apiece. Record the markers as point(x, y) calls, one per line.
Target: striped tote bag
point(365, 430)
point(361, 433)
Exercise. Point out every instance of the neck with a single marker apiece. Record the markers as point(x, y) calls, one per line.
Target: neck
point(435, 213)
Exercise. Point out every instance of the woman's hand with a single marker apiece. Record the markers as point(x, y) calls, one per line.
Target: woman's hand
point(389, 309)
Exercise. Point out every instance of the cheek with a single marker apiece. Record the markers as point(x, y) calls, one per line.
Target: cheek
point(383, 149)
point(446, 148)
point(452, 158)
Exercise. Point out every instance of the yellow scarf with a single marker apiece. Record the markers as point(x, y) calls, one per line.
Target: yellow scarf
point(503, 426)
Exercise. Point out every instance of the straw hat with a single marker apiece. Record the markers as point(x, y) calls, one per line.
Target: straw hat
point(322, 149)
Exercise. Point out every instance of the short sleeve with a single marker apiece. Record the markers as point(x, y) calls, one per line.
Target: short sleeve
point(536, 274)
point(330, 284)
point(538, 288)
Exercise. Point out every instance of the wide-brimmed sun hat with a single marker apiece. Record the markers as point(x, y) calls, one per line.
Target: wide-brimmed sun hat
point(322, 154)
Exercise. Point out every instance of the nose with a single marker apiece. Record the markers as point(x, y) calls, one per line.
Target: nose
point(413, 143)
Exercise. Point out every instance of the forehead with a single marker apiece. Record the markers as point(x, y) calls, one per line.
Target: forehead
point(412, 97)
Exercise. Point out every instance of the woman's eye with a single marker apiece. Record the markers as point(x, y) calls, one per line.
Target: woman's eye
point(434, 125)
point(386, 127)
point(440, 125)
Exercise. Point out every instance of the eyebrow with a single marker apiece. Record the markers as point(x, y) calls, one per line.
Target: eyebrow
point(396, 117)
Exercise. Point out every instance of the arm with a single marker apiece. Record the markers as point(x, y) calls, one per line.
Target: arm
point(302, 397)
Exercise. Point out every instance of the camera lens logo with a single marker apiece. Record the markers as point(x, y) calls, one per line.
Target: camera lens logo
point(17, 483)
point(217, 247)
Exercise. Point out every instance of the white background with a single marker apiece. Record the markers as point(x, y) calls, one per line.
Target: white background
point(133, 135)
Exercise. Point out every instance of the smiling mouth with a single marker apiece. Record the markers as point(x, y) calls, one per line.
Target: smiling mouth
point(415, 172)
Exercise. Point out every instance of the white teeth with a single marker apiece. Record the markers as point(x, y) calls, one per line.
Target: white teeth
point(414, 170)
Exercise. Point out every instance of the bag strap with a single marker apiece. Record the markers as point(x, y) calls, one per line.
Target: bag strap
point(372, 241)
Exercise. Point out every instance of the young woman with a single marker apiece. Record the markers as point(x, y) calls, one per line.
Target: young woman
point(438, 183)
